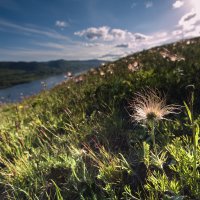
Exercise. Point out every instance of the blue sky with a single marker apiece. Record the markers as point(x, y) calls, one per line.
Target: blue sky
point(40, 30)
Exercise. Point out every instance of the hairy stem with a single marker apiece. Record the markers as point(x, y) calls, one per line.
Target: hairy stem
point(152, 126)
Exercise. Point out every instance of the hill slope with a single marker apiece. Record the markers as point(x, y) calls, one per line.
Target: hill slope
point(78, 140)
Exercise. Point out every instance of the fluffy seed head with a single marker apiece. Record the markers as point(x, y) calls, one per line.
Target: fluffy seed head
point(150, 105)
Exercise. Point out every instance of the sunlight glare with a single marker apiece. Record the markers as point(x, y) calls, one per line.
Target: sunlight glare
point(196, 6)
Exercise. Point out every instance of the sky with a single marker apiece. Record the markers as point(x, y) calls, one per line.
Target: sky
point(42, 30)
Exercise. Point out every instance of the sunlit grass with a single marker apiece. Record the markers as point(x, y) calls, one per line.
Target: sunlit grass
point(78, 140)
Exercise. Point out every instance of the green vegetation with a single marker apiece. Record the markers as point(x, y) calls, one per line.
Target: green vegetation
point(13, 73)
point(81, 140)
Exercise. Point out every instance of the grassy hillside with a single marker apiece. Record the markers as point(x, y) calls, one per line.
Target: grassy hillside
point(12, 73)
point(81, 140)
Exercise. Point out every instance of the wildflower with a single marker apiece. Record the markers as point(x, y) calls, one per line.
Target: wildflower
point(188, 42)
point(102, 73)
point(109, 71)
point(20, 107)
point(151, 106)
point(95, 72)
point(78, 79)
point(135, 64)
point(131, 68)
point(92, 70)
point(173, 58)
point(163, 54)
point(69, 74)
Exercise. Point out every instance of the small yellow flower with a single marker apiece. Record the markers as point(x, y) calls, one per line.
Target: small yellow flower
point(20, 107)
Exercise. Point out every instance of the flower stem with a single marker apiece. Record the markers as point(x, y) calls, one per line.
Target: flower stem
point(152, 126)
point(195, 143)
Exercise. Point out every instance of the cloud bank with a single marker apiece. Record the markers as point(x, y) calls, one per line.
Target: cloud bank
point(106, 33)
point(103, 42)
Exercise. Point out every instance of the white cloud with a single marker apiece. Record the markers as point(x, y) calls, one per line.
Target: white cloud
point(61, 24)
point(117, 41)
point(106, 33)
point(140, 37)
point(177, 32)
point(125, 45)
point(189, 21)
point(92, 44)
point(188, 26)
point(111, 56)
point(149, 4)
point(93, 33)
point(154, 39)
point(177, 4)
point(98, 42)
point(119, 34)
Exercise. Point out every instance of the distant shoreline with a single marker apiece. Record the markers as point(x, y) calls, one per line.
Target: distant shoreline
point(15, 73)
point(28, 81)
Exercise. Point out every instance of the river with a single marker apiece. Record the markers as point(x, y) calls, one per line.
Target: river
point(18, 92)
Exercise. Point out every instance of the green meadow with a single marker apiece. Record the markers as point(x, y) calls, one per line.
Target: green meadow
point(83, 139)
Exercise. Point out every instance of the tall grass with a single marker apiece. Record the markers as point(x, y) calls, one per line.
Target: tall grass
point(78, 140)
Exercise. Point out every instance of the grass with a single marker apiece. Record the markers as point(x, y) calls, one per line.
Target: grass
point(78, 141)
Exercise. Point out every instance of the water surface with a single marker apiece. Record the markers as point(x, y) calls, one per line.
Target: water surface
point(18, 92)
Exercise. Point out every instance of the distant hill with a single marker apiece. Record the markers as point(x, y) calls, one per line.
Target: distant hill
point(12, 73)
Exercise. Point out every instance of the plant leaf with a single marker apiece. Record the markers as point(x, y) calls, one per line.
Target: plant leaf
point(188, 111)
